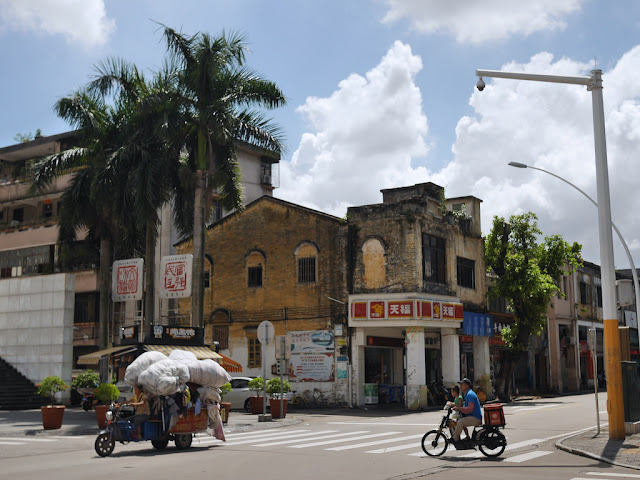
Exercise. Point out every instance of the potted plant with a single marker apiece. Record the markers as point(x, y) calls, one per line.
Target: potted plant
point(274, 387)
point(106, 393)
point(225, 407)
point(52, 414)
point(257, 401)
point(83, 386)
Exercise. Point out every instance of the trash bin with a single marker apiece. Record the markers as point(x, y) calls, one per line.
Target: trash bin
point(370, 393)
point(630, 391)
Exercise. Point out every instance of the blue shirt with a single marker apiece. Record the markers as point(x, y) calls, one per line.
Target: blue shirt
point(472, 399)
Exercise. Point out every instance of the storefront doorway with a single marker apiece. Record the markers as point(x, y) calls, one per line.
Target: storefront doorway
point(383, 367)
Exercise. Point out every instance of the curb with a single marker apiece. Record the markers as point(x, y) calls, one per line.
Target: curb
point(584, 453)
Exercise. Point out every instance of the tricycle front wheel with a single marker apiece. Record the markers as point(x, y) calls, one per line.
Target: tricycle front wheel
point(104, 444)
point(434, 443)
point(183, 441)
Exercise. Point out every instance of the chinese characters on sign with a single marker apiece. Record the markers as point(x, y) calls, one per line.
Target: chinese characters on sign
point(127, 280)
point(405, 309)
point(311, 368)
point(176, 276)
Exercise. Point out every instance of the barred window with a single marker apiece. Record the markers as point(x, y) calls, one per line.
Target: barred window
point(255, 276)
point(466, 272)
point(307, 270)
point(255, 353)
point(221, 335)
point(433, 258)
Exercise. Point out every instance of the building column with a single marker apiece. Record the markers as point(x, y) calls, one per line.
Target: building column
point(357, 366)
point(416, 369)
point(450, 345)
point(481, 359)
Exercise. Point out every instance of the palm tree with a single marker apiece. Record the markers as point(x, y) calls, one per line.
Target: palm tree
point(216, 95)
point(91, 203)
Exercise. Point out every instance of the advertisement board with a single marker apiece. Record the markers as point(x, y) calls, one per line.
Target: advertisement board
point(312, 341)
point(176, 273)
point(311, 368)
point(126, 280)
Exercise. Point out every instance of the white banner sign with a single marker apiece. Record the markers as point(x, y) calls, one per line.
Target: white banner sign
point(311, 368)
point(176, 276)
point(312, 341)
point(126, 280)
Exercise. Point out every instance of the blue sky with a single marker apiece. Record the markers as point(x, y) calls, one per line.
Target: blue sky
point(381, 93)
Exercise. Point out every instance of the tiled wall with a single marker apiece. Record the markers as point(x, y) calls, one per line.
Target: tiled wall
point(36, 325)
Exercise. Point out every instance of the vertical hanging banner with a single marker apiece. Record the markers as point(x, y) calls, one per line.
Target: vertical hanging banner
point(176, 276)
point(126, 279)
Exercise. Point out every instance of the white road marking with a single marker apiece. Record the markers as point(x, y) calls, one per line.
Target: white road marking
point(381, 424)
point(256, 438)
point(527, 456)
point(623, 475)
point(376, 442)
point(27, 439)
point(12, 443)
point(269, 431)
point(315, 437)
point(342, 440)
point(396, 448)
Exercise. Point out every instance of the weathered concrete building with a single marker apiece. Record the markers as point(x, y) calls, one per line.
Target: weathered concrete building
point(415, 265)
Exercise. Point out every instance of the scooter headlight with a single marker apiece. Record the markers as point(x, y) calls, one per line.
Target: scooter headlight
point(109, 416)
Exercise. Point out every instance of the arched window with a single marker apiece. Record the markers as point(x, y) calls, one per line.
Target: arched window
point(255, 269)
point(375, 275)
point(306, 260)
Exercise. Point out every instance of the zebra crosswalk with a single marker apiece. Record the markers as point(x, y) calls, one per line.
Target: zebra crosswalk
point(366, 441)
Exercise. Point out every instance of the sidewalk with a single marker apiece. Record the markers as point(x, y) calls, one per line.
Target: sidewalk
point(624, 453)
point(78, 422)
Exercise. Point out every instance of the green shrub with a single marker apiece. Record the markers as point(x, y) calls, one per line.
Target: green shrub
point(273, 386)
point(107, 393)
point(87, 379)
point(256, 385)
point(50, 386)
point(224, 389)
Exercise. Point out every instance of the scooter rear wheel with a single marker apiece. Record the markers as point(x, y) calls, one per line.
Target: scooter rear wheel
point(492, 443)
point(104, 444)
point(434, 443)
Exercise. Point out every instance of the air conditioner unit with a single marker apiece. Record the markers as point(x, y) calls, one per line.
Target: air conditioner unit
point(266, 179)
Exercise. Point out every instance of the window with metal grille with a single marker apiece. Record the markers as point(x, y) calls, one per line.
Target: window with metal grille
point(433, 255)
point(255, 353)
point(221, 335)
point(207, 279)
point(307, 270)
point(47, 210)
point(466, 272)
point(585, 298)
point(255, 276)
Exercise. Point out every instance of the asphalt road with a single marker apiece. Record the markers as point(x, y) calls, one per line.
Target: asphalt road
point(378, 446)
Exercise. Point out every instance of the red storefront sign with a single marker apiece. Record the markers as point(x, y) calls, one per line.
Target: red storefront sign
point(425, 309)
point(359, 310)
point(377, 310)
point(401, 309)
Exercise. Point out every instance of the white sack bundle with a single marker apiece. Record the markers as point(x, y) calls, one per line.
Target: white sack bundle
point(140, 364)
point(164, 377)
point(209, 394)
point(208, 373)
point(182, 356)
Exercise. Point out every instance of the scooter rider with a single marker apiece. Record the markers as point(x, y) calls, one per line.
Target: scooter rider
point(471, 410)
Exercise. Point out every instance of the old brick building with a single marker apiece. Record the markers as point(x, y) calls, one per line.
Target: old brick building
point(284, 263)
point(416, 269)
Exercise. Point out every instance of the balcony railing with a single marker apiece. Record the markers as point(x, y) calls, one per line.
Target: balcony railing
point(15, 226)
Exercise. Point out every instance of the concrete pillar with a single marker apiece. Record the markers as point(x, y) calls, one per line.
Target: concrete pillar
point(416, 369)
point(357, 366)
point(450, 356)
point(481, 360)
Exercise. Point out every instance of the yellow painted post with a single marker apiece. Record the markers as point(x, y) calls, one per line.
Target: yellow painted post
point(615, 401)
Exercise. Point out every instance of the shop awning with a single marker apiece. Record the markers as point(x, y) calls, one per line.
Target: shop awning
point(201, 353)
point(93, 358)
point(230, 365)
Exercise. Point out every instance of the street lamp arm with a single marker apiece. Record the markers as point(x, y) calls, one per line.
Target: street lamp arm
point(586, 81)
point(634, 273)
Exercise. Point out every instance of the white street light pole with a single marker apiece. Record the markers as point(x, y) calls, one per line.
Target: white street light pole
point(615, 402)
point(634, 273)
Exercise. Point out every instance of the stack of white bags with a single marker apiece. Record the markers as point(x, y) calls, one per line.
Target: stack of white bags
point(162, 375)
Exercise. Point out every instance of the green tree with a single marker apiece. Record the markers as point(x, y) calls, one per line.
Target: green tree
point(526, 272)
point(217, 93)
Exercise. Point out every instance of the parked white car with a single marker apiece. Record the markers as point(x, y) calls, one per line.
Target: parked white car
point(239, 396)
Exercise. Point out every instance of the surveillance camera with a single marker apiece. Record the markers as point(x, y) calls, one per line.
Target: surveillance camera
point(480, 84)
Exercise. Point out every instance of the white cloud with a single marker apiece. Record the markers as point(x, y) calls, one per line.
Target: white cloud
point(365, 137)
point(550, 126)
point(83, 22)
point(472, 21)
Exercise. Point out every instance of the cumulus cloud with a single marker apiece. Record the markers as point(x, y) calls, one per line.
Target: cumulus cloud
point(83, 22)
point(550, 126)
point(471, 21)
point(365, 136)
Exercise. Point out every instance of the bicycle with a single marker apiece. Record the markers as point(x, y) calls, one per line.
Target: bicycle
point(298, 401)
point(489, 440)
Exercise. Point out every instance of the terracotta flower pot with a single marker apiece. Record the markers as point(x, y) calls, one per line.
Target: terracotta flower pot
point(52, 416)
point(257, 405)
point(225, 409)
point(101, 411)
point(275, 407)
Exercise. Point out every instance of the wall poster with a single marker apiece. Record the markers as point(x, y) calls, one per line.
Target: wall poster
point(311, 368)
